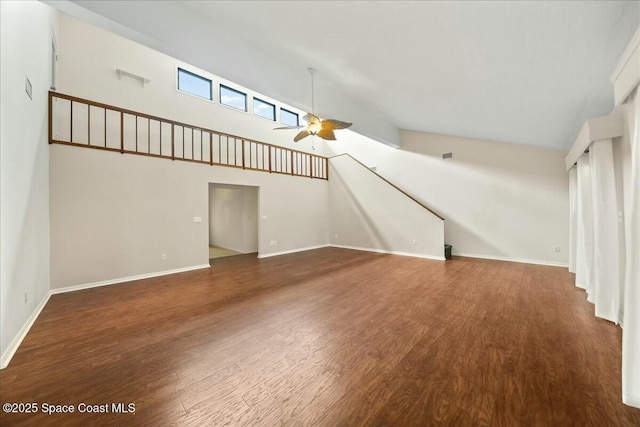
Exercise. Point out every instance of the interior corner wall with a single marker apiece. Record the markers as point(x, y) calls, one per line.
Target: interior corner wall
point(26, 32)
point(233, 217)
point(114, 215)
point(499, 200)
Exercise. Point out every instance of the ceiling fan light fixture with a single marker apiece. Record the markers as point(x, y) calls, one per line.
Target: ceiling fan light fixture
point(315, 126)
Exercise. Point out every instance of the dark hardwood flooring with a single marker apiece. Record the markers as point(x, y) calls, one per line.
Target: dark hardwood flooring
point(330, 337)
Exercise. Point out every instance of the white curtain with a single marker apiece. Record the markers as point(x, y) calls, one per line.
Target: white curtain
point(631, 331)
point(584, 228)
point(573, 216)
point(605, 287)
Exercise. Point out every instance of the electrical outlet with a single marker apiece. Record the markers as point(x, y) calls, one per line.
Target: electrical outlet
point(415, 241)
point(163, 257)
point(197, 219)
point(556, 249)
point(335, 236)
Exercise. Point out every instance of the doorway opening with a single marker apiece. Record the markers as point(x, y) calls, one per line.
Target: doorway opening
point(233, 220)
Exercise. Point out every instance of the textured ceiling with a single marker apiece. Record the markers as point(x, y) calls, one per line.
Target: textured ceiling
point(520, 72)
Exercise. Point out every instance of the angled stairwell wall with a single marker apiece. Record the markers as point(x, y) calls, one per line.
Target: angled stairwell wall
point(368, 213)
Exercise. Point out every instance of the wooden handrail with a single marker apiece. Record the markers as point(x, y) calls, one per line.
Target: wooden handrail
point(224, 140)
point(388, 182)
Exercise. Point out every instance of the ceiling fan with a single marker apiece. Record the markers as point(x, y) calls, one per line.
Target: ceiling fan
point(316, 126)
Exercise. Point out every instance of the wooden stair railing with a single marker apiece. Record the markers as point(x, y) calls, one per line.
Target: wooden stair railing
point(81, 122)
point(390, 183)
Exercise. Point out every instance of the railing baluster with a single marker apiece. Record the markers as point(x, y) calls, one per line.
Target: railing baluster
point(121, 132)
point(71, 129)
point(88, 124)
point(270, 159)
point(136, 134)
point(211, 149)
point(105, 128)
point(291, 162)
point(310, 167)
point(148, 135)
point(50, 118)
point(243, 144)
point(192, 144)
point(173, 142)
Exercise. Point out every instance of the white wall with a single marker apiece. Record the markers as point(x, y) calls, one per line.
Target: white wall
point(366, 212)
point(113, 215)
point(89, 57)
point(502, 201)
point(27, 29)
point(233, 217)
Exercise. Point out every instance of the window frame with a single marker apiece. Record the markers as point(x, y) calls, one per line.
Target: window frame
point(274, 109)
point(290, 112)
point(191, 73)
point(246, 96)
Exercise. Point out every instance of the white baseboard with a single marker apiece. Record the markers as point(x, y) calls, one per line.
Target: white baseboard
point(126, 279)
point(382, 251)
point(509, 259)
point(13, 347)
point(292, 251)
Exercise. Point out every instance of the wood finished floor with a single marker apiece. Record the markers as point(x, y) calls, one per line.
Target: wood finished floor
point(330, 337)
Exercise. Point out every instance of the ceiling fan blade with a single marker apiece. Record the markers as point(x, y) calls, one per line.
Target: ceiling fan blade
point(335, 124)
point(326, 134)
point(289, 127)
point(302, 134)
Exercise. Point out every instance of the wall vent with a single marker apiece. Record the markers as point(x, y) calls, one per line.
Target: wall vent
point(447, 155)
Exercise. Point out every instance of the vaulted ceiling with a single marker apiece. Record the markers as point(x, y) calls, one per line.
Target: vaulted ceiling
point(519, 72)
